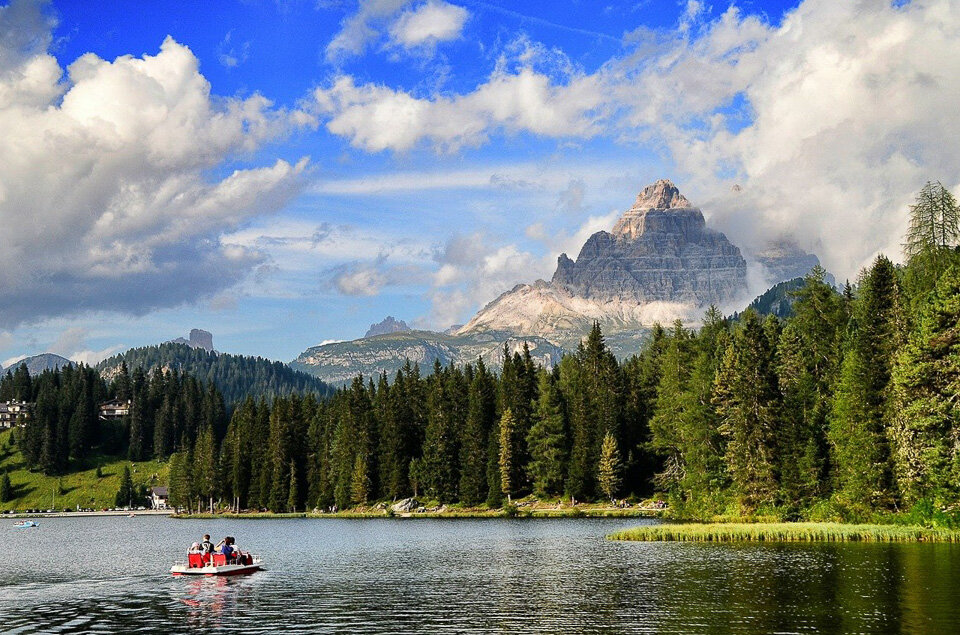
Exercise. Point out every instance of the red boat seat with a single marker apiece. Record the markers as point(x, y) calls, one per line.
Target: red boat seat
point(219, 559)
point(195, 560)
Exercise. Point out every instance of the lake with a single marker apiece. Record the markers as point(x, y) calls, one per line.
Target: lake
point(109, 574)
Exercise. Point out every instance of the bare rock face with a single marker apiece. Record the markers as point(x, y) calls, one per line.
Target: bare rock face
point(389, 324)
point(784, 260)
point(198, 339)
point(660, 251)
point(659, 263)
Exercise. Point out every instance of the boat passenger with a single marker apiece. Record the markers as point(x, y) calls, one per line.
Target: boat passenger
point(225, 547)
point(194, 548)
point(206, 546)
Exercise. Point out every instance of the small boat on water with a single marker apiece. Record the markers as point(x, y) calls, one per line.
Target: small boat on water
point(24, 524)
point(217, 564)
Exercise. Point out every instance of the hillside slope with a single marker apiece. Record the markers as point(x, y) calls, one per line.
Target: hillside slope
point(236, 376)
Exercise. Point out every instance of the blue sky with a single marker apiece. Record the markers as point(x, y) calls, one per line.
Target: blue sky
point(286, 173)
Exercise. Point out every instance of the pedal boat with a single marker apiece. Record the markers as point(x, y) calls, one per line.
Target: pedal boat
point(25, 524)
point(216, 564)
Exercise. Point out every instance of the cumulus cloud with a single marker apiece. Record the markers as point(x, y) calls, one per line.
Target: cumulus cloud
point(377, 118)
point(105, 195)
point(419, 27)
point(473, 269)
point(432, 22)
point(830, 120)
point(846, 113)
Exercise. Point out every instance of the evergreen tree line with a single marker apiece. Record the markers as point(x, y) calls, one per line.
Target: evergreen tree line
point(235, 376)
point(168, 411)
point(460, 435)
point(849, 404)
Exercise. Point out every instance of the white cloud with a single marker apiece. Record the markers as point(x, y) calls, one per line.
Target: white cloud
point(377, 118)
point(848, 116)
point(411, 26)
point(230, 54)
point(9, 364)
point(830, 121)
point(363, 27)
point(90, 358)
point(111, 167)
point(432, 22)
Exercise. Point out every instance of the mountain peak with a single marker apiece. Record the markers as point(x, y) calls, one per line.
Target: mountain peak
point(389, 324)
point(660, 196)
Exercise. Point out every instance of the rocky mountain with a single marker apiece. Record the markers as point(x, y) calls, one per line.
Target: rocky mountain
point(198, 339)
point(36, 364)
point(388, 325)
point(340, 362)
point(783, 260)
point(659, 263)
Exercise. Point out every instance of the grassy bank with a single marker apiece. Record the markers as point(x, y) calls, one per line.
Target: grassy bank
point(33, 490)
point(786, 532)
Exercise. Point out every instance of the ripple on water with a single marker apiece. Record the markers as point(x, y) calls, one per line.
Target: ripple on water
point(466, 576)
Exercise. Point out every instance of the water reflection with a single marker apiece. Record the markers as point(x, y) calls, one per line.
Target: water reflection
point(469, 576)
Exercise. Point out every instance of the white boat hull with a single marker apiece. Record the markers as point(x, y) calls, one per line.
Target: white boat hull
point(183, 568)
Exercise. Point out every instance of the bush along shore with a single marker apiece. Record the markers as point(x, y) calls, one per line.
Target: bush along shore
point(412, 508)
point(786, 532)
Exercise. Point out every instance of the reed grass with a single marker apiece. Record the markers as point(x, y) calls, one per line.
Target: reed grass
point(786, 532)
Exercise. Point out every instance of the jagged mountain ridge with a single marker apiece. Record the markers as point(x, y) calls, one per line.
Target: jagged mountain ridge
point(660, 262)
point(36, 364)
point(340, 362)
point(387, 325)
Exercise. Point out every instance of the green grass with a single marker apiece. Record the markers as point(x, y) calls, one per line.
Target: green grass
point(33, 490)
point(786, 532)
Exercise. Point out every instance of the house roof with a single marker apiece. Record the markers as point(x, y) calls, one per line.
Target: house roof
point(159, 491)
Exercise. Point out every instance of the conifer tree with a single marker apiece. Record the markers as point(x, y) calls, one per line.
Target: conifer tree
point(180, 482)
point(807, 359)
point(360, 482)
point(125, 493)
point(547, 440)
point(748, 403)
point(932, 239)
point(293, 497)
point(506, 453)
point(860, 406)
point(608, 477)
point(925, 422)
point(6, 489)
point(204, 473)
point(481, 414)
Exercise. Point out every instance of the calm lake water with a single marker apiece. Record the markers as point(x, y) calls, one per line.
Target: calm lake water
point(325, 575)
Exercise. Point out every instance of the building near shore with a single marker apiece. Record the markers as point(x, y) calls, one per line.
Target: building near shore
point(14, 413)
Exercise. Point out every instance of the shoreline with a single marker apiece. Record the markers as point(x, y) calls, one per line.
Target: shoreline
point(806, 532)
point(521, 513)
point(141, 512)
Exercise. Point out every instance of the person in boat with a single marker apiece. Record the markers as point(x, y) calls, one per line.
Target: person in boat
point(206, 546)
point(194, 548)
point(225, 547)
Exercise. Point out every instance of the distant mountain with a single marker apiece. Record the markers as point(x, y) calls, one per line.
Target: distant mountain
point(387, 325)
point(236, 376)
point(340, 362)
point(45, 361)
point(198, 339)
point(784, 261)
point(660, 262)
